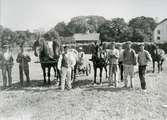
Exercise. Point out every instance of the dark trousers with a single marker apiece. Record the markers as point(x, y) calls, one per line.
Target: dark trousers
point(24, 69)
point(7, 71)
point(142, 71)
point(121, 70)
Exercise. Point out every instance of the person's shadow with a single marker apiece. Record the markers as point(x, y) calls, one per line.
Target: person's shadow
point(106, 88)
point(33, 85)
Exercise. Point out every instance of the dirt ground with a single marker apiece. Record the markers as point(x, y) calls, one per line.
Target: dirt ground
point(84, 102)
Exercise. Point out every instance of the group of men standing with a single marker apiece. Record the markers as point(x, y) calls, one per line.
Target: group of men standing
point(126, 60)
point(7, 62)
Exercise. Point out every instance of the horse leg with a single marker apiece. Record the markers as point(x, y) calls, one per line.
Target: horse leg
point(75, 71)
point(101, 70)
point(159, 66)
point(106, 71)
point(95, 72)
point(55, 71)
point(49, 68)
point(59, 76)
point(44, 74)
point(153, 66)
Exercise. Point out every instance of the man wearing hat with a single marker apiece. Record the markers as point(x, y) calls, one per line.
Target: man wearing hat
point(80, 52)
point(129, 61)
point(23, 60)
point(6, 61)
point(65, 66)
point(113, 56)
point(143, 58)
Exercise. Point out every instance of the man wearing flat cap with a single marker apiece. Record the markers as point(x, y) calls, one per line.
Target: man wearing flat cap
point(23, 59)
point(143, 58)
point(6, 61)
point(129, 61)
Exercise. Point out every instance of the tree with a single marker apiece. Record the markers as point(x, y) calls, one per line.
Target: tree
point(62, 29)
point(143, 28)
point(1, 32)
point(115, 30)
point(23, 37)
point(82, 24)
point(52, 35)
point(94, 22)
point(105, 31)
point(78, 25)
point(7, 36)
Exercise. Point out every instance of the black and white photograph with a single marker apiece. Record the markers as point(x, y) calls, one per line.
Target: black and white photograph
point(83, 60)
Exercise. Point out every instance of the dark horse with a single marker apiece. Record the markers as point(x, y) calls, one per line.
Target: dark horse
point(48, 56)
point(157, 55)
point(99, 59)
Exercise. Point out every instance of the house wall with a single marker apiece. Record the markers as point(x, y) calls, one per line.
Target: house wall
point(160, 32)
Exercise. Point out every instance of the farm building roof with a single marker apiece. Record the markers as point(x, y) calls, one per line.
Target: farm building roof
point(87, 37)
point(162, 21)
point(67, 40)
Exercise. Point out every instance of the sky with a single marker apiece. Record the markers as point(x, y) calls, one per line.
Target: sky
point(45, 14)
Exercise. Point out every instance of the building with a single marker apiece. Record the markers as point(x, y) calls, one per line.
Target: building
point(85, 39)
point(68, 40)
point(160, 32)
point(81, 39)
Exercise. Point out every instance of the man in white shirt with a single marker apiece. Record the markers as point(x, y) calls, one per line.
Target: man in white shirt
point(66, 63)
point(6, 61)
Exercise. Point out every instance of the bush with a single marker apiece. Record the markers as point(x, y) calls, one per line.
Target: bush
point(88, 49)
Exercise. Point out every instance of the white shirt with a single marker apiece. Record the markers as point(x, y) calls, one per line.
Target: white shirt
point(113, 56)
point(71, 60)
point(7, 55)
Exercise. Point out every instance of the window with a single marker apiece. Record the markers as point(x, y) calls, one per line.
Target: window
point(158, 31)
point(158, 38)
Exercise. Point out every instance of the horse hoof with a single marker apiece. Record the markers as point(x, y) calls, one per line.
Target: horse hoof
point(44, 83)
point(49, 83)
point(94, 84)
point(115, 86)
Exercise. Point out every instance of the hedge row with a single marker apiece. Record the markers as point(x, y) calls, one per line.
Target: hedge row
point(148, 46)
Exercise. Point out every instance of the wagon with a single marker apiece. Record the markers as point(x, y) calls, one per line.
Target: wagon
point(83, 66)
